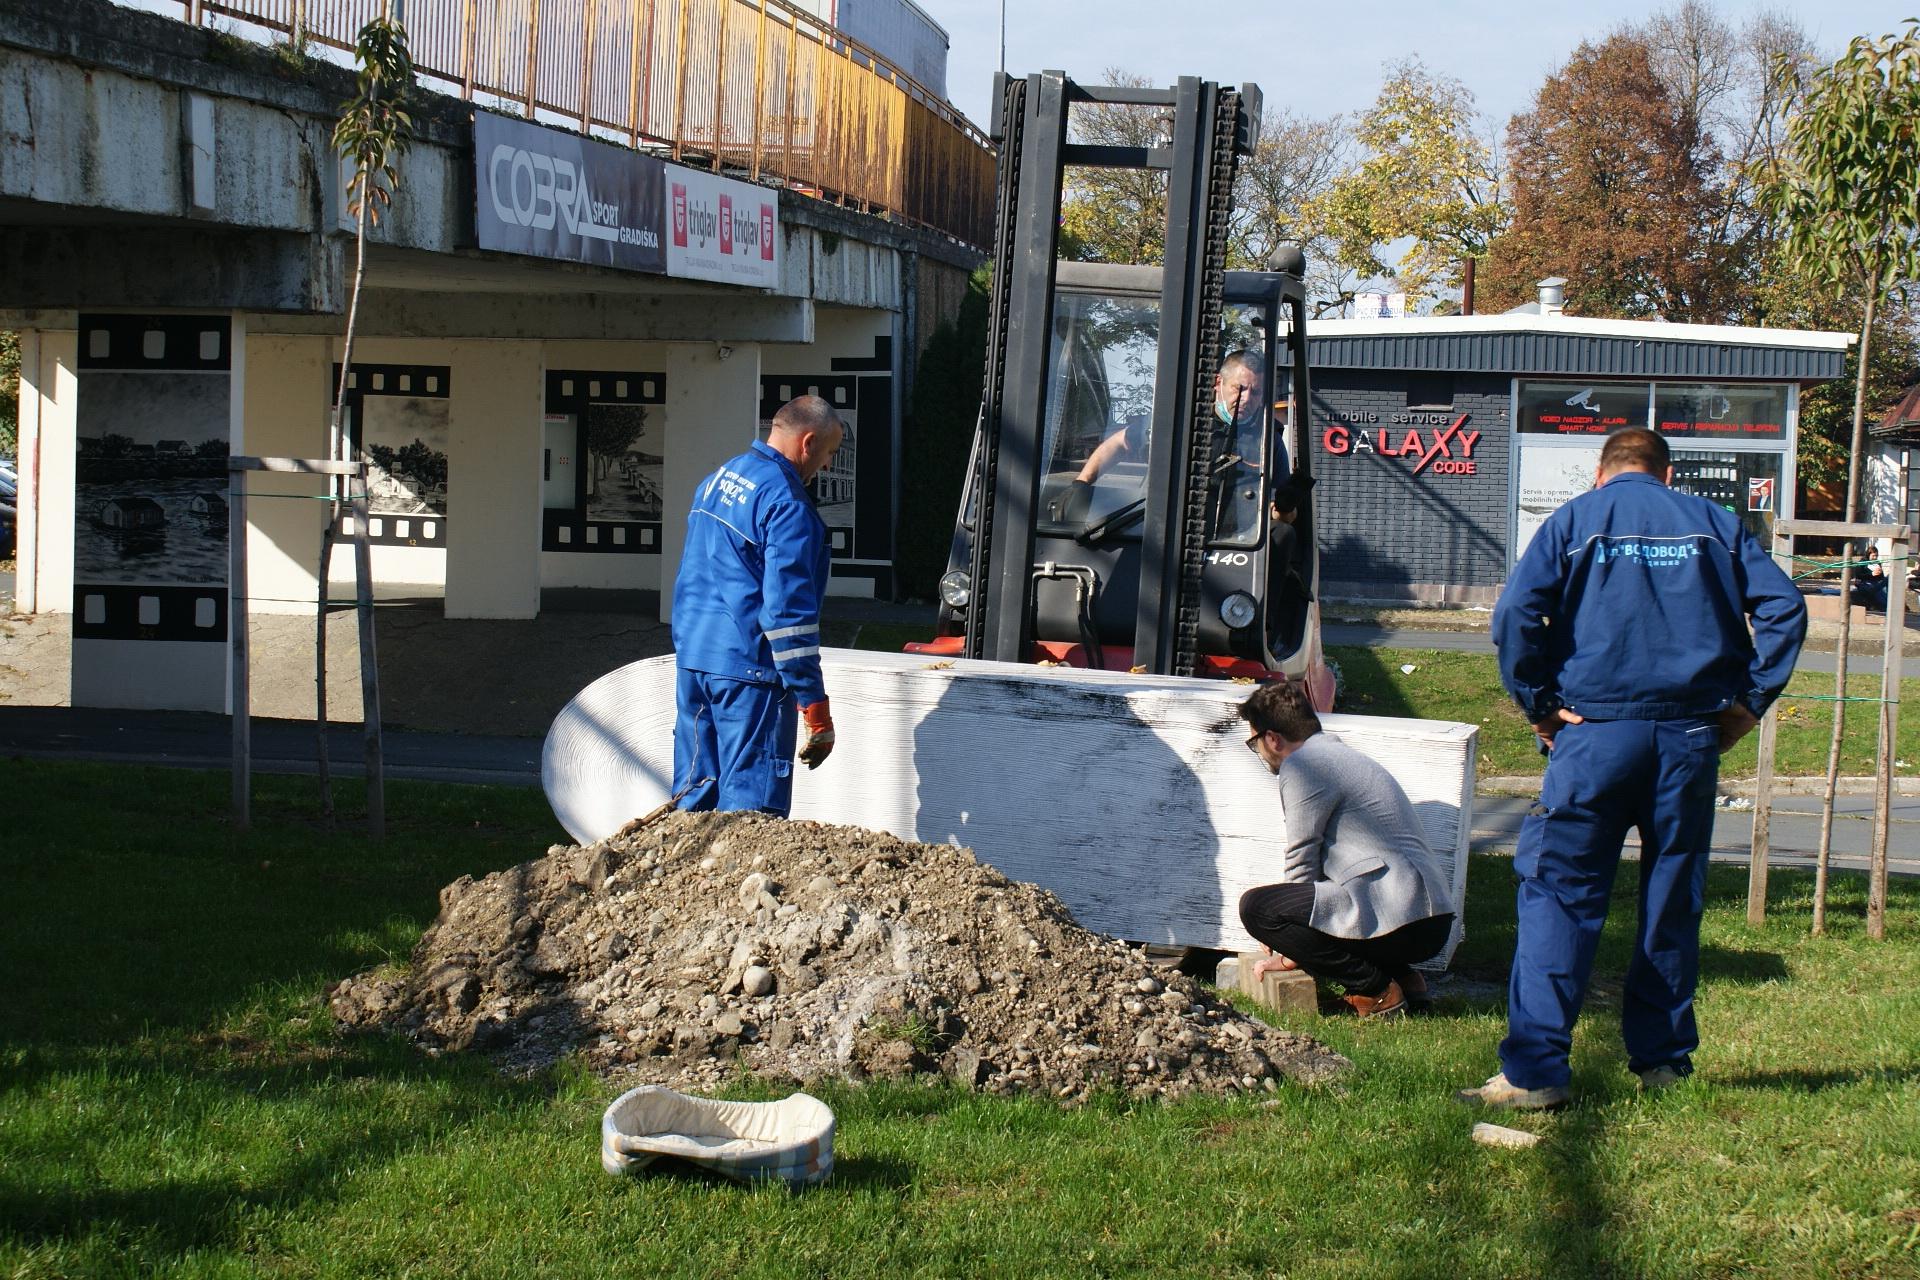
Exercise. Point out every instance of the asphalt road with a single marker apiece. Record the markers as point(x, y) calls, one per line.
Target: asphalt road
point(1368, 635)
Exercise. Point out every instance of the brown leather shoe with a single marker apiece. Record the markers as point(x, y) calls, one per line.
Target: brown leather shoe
point(1414, 984)
point(1390, 1003)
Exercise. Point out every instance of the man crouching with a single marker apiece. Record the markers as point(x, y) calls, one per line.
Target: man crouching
point(1361, 898)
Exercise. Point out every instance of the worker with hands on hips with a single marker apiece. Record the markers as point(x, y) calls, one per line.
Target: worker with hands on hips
point(746, 621)
point(1623, 636)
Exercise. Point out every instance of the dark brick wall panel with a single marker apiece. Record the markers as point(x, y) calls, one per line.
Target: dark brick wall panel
point(1387, 532)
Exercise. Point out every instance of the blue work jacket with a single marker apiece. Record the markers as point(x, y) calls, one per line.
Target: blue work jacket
point(1631, 603)
point(746, 603)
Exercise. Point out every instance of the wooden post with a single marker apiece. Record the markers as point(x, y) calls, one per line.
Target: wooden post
point(468, 20)
point(1762, 845)
point(640, 64)
point(322, 761)
point(586, 70)
point(759, 86)
point(680, 87)
point(369, 666)
point(533, 52)
point(720, 81)
point(239, 692)
point(793, 73)
point(1896, 626)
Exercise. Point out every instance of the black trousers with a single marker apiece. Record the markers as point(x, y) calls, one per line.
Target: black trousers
point(1277, 915)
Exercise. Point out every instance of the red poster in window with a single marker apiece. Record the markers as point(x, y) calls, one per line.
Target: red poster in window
point(1760, 493)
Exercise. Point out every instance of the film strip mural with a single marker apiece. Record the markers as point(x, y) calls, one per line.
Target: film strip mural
point(397, 417)
point(855, 492)
point(153, 424)
point(602, 462)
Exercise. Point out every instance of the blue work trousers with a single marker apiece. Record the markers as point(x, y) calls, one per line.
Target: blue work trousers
point(1604, 777)
point(733, 744)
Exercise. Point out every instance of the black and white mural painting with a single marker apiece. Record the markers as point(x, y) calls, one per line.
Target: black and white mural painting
point(855, 492)
point(153, 426)
point(399, 419)
point(404, 439)
point(150, 478)
point(604, 461)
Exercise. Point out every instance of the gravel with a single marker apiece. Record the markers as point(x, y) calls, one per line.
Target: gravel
point(704, 945)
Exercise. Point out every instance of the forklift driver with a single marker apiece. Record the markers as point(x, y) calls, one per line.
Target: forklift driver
point(1238, 406)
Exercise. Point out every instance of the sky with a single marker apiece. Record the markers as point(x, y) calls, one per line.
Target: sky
point(1319, 59)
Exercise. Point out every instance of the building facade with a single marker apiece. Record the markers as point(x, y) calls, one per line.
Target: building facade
point(1440, 445)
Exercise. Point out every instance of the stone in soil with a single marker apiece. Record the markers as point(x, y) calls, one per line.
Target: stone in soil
point(707, 944)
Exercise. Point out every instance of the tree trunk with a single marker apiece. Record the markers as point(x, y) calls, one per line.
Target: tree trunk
point(1852, 512)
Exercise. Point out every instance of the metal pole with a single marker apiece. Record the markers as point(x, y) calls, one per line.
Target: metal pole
point(239, 693)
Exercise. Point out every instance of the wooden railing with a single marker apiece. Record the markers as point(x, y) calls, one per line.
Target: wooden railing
point(752, 86)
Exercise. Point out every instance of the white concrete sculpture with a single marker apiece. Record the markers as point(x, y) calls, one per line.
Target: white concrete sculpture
point(1132, 797)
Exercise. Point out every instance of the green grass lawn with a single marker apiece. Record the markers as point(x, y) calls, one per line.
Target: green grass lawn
point(1466, 687)
point(174, 1101)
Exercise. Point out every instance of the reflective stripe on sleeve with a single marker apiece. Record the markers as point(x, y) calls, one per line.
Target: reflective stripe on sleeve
point(781, 633)
point(805, 651)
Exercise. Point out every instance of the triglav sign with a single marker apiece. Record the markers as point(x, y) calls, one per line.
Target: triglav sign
point(721, 229)
point(557, 195)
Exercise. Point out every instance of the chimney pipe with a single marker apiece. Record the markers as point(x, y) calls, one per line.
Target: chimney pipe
point(1553, 295)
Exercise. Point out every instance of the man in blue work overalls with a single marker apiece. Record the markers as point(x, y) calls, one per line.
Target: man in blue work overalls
point(746, 620)
point(1623, 636)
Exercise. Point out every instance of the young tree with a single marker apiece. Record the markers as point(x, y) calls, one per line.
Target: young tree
point(374, 131)
point(1611, 188)
point(1847, 192)
point(1427, 176)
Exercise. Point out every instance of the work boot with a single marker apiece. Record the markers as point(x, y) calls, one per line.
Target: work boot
point(1502, 1094)
point(1654, 1079)
point(1391, 1003)
point(1414, 984)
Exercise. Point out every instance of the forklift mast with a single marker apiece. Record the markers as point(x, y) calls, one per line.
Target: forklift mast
point(1210, 128)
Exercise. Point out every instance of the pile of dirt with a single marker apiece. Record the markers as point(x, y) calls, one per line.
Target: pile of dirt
point(705, 943)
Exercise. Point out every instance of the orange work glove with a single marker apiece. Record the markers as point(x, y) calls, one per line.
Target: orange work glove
point(819, 743)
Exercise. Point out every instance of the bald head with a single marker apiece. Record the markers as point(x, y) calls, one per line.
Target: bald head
point(806, 432)
point(1635, 449)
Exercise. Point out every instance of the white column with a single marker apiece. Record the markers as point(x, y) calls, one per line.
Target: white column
point(43, 580)
point(493, 480)
point(285, 400)
point(713, 402)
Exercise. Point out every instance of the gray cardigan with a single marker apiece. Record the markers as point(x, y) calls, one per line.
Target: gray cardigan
point(1353, 836)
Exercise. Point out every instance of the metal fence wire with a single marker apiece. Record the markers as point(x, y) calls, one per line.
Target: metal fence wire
point(754, 86)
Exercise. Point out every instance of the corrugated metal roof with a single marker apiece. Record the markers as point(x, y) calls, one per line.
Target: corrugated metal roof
point(1575, 355)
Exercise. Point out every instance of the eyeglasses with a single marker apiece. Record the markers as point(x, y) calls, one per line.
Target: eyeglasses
point(1253, 743)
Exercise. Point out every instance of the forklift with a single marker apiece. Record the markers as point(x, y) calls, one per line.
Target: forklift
point(1118, 513)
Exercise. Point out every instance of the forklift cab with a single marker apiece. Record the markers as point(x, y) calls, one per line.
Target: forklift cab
point(1260, 572)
